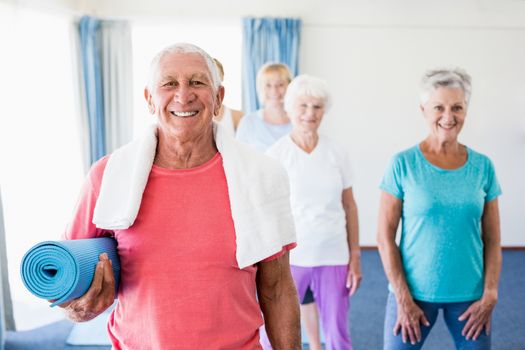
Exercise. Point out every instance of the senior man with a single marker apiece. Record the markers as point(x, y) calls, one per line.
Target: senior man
point(203, 226)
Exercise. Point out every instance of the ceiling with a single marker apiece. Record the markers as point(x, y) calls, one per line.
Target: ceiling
point(495, 13)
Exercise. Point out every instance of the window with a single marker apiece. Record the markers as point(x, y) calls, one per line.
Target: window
point(40, 152)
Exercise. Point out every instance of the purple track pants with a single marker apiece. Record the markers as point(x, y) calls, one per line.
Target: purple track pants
point(328, 284)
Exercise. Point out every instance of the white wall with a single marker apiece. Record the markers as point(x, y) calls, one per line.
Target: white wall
point(373, 54)
point(374, 74)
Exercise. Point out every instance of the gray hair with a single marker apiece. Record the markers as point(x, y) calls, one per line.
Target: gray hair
point(306, 85)
point(445, 77)
point(185, 48)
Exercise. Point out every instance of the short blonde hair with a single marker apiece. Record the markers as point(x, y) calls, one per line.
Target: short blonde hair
point(272, 67)
point(220, 68)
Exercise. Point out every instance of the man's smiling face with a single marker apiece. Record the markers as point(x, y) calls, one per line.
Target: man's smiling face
point(182, 95)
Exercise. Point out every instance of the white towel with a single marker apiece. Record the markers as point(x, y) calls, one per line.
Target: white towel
point(123, 182)
point(257, 185)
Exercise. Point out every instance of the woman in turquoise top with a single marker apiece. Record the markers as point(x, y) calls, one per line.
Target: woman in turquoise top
point(449, 254)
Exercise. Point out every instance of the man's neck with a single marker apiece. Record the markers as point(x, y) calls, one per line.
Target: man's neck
point(175, 154)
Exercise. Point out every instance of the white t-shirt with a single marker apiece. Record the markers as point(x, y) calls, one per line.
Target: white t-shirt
point(317, 181)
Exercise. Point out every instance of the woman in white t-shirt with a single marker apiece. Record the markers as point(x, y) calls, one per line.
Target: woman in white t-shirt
point(327, 257)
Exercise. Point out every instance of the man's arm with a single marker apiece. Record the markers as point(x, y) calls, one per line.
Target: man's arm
point(279, 303)
point(101, 293)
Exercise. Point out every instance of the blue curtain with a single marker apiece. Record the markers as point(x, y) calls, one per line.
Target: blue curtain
point(7, 321)
point(90, 43)
point(264, 40)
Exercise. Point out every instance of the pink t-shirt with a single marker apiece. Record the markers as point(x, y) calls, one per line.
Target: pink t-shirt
point(181, 287)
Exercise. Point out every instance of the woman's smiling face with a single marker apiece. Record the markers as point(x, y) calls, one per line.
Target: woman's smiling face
point(307, 113)
point(273, 89)
point(445, 112)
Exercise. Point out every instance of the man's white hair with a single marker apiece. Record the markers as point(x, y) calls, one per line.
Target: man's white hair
point(185, 48)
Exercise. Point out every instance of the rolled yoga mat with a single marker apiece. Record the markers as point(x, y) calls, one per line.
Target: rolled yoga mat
point(63, 270)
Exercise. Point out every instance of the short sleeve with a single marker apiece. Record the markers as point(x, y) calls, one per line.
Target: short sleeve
point(492, 187)
point(391, 182)
point(81, 225)
point(285, 249)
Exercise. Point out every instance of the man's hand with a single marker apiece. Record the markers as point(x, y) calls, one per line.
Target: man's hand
point(99, 296)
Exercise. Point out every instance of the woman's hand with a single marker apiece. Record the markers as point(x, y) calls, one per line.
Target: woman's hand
point(99, 296)
point(478, 316)
point(409, 320)
point(353, 280)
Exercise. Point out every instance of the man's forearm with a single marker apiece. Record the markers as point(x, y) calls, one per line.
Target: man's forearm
point(281, 317)
point(279, 304)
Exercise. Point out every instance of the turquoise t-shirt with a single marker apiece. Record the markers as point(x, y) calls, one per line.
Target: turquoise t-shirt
point(441, 245)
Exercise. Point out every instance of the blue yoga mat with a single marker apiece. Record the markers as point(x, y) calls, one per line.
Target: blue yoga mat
point(63, 270)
